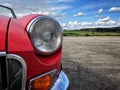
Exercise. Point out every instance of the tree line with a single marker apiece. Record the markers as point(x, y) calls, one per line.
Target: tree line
point(113, 29)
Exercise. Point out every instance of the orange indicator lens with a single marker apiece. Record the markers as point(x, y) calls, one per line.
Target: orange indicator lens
point(42, 83)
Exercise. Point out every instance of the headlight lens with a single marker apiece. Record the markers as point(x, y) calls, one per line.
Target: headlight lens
point(45, 34)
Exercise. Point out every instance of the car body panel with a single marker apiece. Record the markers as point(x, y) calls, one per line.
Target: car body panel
point(3, 29)
point(20, 44)
point(15, 43)
point(26, 19)
point(18, 39)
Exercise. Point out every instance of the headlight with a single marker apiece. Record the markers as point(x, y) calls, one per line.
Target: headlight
point(45, 34)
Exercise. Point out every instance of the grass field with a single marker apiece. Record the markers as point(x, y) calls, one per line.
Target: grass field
point(89, 33)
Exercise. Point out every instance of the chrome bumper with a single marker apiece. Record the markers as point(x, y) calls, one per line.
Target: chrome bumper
point(61, 83)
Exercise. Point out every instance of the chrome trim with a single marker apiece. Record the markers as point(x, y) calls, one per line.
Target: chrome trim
point(36, 19)
point(2, 53)
point(30, 28)
point(21, 60)
point(61, 83)
point(51, 72)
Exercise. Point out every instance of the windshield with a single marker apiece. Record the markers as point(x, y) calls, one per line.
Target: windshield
point(6, 11)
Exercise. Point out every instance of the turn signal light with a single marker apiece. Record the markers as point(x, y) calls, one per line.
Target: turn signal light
point(42, 83)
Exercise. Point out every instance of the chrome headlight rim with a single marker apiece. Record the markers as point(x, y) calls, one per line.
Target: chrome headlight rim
point(30, 28)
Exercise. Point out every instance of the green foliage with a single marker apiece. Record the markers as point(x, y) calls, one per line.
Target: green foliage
point(93, 32)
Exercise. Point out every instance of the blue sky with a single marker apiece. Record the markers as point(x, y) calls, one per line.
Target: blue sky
point(72, 14)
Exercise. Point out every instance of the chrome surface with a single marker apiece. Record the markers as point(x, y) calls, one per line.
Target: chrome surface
point(61, 83)
point(21, 60)
point(30, 28)
point(2, 53)
point(36, 19)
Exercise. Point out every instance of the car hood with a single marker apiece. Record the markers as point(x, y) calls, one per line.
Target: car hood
point(4, 24)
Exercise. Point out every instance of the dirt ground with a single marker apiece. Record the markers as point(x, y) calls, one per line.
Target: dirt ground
point(92, 63)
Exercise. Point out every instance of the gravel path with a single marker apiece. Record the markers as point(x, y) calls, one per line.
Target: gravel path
point(92, 63)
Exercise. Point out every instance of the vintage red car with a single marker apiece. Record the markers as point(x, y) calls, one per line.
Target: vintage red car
point(30, 52)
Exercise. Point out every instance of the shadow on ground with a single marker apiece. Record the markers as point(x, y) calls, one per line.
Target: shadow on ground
point(82, 78)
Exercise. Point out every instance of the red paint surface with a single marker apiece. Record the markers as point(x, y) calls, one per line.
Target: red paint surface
point(18, 40)
point(26, 19)
point(20, 44)
point(3, 28)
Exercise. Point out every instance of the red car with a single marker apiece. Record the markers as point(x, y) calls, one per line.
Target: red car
point(30, 52)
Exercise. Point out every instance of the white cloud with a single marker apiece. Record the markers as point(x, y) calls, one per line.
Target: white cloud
point(100, 11)
point(114, 9)
point(106, 19)
point(102, 22)
point(7, 4)
point(118, 23)
point(79, 14)
point(105, 22)
point(22, 8)
point(85, 23)
point(78, 25)
point(59, 8)
point(21, 14)
point(73, 23)
point(99, 23)
point(55, 8)
point(58, 1)
point(63, 25)
point(47, 13)
point(110, 22)
point(52, 14)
